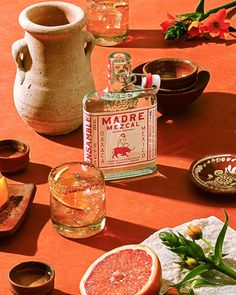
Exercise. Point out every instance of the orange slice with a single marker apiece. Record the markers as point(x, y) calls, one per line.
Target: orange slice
point(130, 270)
point(72, 199)
point(65, 177)
point(4, 194)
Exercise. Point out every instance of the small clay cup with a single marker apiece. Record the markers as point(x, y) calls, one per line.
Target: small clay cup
point(176, 73)
point(14, 155)
point(31, 278)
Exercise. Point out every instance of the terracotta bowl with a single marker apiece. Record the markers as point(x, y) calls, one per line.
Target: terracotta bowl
point(176, 73)
point(215, 173)
point(14, 155)
point(172, 102)
point(31, 278)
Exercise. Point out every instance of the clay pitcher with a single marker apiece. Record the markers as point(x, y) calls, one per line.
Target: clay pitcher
point(53, 67)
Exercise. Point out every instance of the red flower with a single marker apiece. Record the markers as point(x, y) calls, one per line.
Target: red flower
point(172, 291)
point(169, 23)
point(217, 25)
point(195, 29)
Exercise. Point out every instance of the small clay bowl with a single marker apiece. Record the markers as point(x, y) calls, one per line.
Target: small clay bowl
point(172, 102)
point(215, 173)
point(14, 155)
point(169, 103)
point(31, 278)
point(181, 90)
point(176, 73)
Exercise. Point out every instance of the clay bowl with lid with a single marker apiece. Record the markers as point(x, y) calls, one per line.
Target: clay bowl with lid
point(31, 278)
point(177, 74)
point(14, 155)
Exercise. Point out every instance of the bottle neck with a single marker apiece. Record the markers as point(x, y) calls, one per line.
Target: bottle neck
point(119, 71)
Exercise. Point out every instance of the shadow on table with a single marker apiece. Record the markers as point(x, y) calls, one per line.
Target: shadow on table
point(58, 292)
point(173, 183)
point(208, 126)
point(117, 233)
point(155, 39)
point(30, 229)
point(73, 139)
point(34, 173)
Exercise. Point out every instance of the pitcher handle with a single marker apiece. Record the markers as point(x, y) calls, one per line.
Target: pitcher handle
point(19, 51)
point(90, 40)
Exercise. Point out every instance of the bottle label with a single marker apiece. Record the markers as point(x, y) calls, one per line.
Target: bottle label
point(120, 138)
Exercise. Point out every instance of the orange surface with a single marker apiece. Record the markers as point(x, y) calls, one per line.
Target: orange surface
point(137, 207)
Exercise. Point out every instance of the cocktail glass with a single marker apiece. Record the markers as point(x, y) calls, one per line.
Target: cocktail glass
point(77, 199)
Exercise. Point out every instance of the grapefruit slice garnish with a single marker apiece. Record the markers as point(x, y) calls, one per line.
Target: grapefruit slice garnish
point(4, 194)
point(129, 270)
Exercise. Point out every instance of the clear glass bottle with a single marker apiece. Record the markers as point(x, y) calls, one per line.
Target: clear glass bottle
point(120, 123)
point(108, 21)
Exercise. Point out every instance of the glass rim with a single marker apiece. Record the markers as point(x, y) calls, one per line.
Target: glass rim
point(52, 181)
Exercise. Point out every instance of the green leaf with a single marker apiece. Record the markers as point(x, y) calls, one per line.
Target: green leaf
point(195, 272)
point(220, 240)
point(190, 15)
point(169, 238)
point(202, 282)
point(181, 251)
point(182, 239)
point(195, 251)
point(200, 6)
point(232, 29)
point(191, 292)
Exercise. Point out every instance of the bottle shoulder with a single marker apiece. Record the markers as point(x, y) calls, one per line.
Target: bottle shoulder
point(103, 101)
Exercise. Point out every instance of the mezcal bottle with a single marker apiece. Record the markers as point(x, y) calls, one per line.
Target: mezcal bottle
point(120, 122)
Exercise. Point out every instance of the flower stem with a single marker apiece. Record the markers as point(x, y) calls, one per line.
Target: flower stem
point(226, 270)
point(213, 10)
point(208, 244)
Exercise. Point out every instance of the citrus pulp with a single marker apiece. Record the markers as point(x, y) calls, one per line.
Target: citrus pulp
point(4, 195)
point(126, 270)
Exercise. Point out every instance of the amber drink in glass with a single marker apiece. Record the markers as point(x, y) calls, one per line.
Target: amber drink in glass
point(108, 21)
point(77, 199)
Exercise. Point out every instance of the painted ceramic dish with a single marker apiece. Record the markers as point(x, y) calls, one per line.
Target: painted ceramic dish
point(215, 173)
point(31, 277)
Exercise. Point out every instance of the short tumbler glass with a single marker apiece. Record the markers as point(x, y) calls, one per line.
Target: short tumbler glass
point(108, 21)
point(77, 199)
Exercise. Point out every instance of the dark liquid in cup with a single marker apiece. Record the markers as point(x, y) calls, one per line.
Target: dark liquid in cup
point(31, 277)
point(9, 151)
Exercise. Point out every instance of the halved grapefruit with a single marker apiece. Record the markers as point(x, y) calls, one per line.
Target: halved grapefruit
point(4, 194)
point(126, 270)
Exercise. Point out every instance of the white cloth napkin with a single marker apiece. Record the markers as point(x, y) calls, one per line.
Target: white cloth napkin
point(171, 271)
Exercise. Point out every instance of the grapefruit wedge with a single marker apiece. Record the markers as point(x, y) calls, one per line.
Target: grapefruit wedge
point(4, 194)
point(126, 270)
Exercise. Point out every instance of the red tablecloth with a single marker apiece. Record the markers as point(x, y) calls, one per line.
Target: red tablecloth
point(137, 207)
